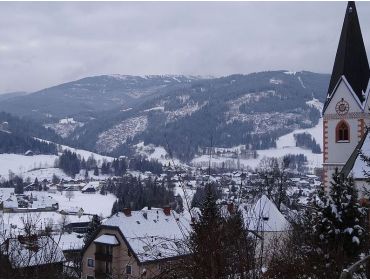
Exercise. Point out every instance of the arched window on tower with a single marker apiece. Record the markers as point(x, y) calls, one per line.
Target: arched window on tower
point(342, 132)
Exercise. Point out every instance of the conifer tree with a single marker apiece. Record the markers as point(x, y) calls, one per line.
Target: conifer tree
point(206, 241)
point(93, 226)
point(340, 223)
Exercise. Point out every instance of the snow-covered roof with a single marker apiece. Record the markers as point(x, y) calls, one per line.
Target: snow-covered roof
point(34, 253)
point(152, 234)
point(90, 185)
point(10, 202)
point(69, 241)
point(107, 239)
point(264, 216)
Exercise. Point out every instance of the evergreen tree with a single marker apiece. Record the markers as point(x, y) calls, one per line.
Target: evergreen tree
point(340, 223)
point(208, 259)
point(55, 179)
point(93, 226)
point(96, 171)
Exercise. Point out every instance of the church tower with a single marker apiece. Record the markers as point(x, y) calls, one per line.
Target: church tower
point(346, 112)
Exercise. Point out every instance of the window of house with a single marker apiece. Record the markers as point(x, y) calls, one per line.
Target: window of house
point(128, 269)
point(342, 132)
point(90, 263)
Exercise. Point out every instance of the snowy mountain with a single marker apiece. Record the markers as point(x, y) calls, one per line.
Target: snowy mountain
point(183, 114)
point(253, 110)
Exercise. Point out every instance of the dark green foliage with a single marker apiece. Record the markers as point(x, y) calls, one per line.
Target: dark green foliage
point(96, 171)
point(93, 226)
point(305, 140)
point(55, 179)
point(142, 164)
point(219, 245)
point(341, 221)
point(119, 166)
point(69, 163)
point(201, 194)
point(136, 194)
point(19, 144)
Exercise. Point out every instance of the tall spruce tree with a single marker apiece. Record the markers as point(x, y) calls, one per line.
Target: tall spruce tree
point(93, 226)
point(206, 241)
point(340, 224)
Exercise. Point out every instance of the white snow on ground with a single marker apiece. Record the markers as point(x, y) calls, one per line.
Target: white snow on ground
point(27, 165)
point(290, 72)
point(301, 82)
point(156, 153)
point(91, 203)
point(159, 108)
point(275, 81)
point(285, 145)
point(316, 104)
point(184, 111)
point(19, 164)
point(85, 154)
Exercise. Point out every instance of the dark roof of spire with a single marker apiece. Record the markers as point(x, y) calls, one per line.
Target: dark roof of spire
point(351, 60)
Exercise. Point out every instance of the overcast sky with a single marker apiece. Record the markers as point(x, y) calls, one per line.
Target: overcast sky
point(44, 44)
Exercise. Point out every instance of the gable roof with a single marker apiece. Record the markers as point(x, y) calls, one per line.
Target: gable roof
point(151, 234)
point(351, 59)
point(350, 89)
point(43, 251)
point(264, 216)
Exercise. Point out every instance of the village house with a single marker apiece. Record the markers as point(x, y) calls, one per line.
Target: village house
point(135, 244)
point(27, 255)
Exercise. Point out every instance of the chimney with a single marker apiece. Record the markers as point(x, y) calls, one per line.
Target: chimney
point(127, 211)
point(167, 210)
point(230, 208)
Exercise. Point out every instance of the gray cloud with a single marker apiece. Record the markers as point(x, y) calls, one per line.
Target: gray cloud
point(46, 43)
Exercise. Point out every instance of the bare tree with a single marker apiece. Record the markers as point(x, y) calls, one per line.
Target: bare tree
point(69, 195)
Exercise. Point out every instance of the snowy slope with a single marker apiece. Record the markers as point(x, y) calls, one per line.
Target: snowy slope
point(27, 165)
point(284, 145)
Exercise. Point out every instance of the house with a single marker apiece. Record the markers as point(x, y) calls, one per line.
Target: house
point(71, 245)
point(267, 223)
point(90, 187)
point(23, 254)
point(135, 244)
point(10, 204)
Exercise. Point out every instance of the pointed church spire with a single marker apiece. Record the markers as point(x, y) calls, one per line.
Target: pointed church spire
point(351, 60)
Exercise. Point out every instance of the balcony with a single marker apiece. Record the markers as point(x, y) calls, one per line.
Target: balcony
point(103, 257)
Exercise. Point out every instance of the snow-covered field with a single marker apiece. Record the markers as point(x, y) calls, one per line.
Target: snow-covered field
point(19, 164)
point(40, 166)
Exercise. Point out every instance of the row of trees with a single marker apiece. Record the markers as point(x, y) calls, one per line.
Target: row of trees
point(72, 164)
point(134, 193)
point(305, 140)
